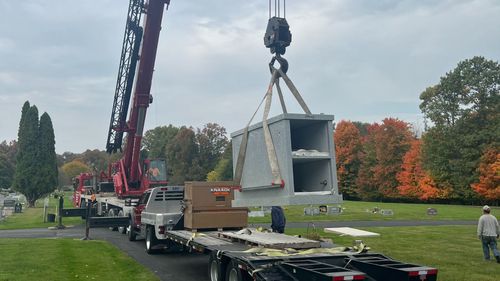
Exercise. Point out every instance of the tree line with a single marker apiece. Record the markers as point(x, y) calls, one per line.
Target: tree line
point(457, 159)
point(192, 154)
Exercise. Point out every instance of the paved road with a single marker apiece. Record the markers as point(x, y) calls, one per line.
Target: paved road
point(186, 266)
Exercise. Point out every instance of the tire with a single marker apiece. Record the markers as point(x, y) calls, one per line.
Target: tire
point(216, 268)
point(111, 213)
point(132, 235)
point(233, 272)
point(151, 240)
point(121, 229)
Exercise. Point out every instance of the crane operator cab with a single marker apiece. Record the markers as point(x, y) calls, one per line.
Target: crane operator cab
point(156, 171)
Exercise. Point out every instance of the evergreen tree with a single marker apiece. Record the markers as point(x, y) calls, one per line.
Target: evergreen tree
point(48, 173)
point(27, 168)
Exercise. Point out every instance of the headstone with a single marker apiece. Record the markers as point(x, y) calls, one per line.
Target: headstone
point(334, 210)
point(311, 211)
point(255, 214)
point(432, 211)
point(387, 212)
point(9, 203)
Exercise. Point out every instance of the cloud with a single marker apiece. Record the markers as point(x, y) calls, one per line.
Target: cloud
point(360, 60)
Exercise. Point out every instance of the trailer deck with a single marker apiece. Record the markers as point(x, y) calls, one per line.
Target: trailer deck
point(280, 257)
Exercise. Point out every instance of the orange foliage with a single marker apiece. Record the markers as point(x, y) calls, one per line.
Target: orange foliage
point(414, 182)
point(347, 150)
point(392, 141)
point(489, 175)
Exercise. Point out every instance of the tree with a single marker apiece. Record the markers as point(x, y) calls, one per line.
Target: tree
point(464, 111)
point(7, 163)
point(489, 179)
point(223, 171)
point(47, 173)
point(97, 159)
point(211, 141)
point(155, 141)
point(182, 154)
point(26, 176)
point(348, 152)
point(381, 160)
point(74, 168)
point(414, 181)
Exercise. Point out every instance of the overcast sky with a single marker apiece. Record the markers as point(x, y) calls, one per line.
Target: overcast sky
point(359, 60)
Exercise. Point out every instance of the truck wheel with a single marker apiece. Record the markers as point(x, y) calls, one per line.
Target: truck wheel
point(233, 272)
point(151, 240)
point(216, 268)
point(111, 213)
point(122, 229)
point(132, 236)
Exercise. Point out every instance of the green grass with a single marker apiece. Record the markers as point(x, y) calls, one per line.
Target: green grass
point(67, 259)
point(454, 250)
point(356, 211)
point(33, 217)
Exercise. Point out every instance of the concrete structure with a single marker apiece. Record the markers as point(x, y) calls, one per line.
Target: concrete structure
point(306, 156)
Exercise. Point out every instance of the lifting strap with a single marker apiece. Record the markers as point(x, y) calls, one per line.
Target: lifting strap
point(276, 74)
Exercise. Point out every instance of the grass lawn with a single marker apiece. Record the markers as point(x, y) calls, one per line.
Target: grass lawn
point(454, 250)
point(67, 259)
point(33, 217)
point(356, 210)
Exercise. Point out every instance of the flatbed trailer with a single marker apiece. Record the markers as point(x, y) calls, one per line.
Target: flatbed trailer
point(258, 254)
point(233, 257)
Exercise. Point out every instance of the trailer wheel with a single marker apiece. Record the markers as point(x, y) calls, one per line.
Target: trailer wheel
point(216, 268)
point(122, 229)
point(233, 272)
point(111, 213)
point(132, 236)
point(151, 240)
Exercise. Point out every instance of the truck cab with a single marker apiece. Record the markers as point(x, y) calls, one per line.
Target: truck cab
point(159, 209)
point(83, 185)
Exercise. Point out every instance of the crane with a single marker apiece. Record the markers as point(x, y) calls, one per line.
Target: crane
point(130, 177)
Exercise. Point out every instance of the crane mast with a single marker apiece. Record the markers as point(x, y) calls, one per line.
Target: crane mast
point(139, 46)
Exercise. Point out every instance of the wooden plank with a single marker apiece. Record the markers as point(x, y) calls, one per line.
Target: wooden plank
point(351, 232)
point(269, 239)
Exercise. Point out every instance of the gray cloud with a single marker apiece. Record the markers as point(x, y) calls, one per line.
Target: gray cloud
point(360, 60)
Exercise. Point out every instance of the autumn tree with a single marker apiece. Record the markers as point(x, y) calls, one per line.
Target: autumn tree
point(347, 151)
point(464, 113)
point(489, 176)
point(414, 181)
point(381, 160)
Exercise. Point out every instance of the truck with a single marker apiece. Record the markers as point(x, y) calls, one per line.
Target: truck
point(169, 218)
